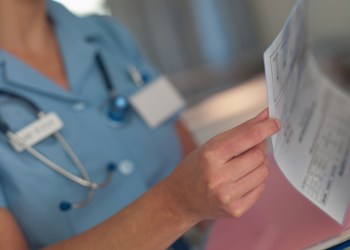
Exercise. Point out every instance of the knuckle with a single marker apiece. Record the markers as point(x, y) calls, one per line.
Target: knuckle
point(255, 135)
point(263, 172)
point(235, 211)
point(258, 155)
point(208, 152)
point(223, 198)
point(211, 182)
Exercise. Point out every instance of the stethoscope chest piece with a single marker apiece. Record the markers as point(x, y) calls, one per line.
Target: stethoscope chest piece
point(118, 111)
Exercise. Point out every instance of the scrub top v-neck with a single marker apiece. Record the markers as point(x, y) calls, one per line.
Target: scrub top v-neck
point(32, 191)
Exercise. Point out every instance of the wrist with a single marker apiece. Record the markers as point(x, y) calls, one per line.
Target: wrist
point(176, 203)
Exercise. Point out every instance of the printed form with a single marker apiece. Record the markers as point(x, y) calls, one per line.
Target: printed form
point(312, 147)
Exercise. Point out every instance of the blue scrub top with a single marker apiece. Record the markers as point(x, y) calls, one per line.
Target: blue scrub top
point(31, 190)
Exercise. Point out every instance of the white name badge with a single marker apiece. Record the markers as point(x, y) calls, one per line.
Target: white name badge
point(157, 102)
point(37, 131)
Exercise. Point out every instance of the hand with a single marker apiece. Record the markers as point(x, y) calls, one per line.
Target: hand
point(225, 176)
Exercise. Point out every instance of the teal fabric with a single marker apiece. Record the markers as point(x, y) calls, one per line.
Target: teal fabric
point(32, 191)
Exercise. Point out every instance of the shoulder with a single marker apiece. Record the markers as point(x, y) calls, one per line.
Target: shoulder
point(108, 28)
point(105, 32)
point(107, 24)
point(112, 35)
point(101, 27)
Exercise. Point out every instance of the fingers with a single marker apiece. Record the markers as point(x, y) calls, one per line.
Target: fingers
point(251, 180)
point(235, 190)
point(246, 202)
point(228, 171)
point(260, 117)
point(248, 161)
point(239, 141)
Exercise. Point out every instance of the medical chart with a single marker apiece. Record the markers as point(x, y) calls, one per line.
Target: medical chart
point(312, 147)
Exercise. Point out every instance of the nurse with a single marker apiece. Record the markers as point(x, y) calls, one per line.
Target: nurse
point(60, 62)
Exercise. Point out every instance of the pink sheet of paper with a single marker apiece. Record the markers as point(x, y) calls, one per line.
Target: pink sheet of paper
point(281, 219)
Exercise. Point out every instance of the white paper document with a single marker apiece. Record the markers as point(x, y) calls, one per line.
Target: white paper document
point(312, 147)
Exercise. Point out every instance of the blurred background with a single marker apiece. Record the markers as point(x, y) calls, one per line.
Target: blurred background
point(213, 49)
point(206, 46)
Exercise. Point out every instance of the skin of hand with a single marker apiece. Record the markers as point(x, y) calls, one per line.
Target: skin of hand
point(222, 178)
point(225, 176)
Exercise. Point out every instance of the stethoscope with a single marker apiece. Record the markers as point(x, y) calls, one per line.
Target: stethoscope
point(118, 105)
point(117, 111)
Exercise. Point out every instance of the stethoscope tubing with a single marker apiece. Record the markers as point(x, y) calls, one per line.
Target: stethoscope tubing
point(85, 181)
point(84, 178)
point(31, 104)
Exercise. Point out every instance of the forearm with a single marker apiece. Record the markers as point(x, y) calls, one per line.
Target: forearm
point(11, 236)
point(222, 178)
point(152, 222)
